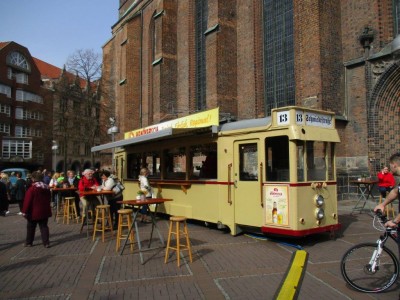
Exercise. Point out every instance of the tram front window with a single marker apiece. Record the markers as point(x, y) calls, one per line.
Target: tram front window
point(316, 164)
point(277, 158)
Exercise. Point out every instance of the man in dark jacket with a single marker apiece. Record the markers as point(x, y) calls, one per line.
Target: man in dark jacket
point(36, 210)
point(3, 199)
point(20, 189)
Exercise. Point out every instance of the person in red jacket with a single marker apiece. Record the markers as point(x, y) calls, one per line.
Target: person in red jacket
point(386, 181)
point(36, 209)
point(87, 183)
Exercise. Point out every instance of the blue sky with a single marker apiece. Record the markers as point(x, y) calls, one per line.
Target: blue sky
point(54, 29)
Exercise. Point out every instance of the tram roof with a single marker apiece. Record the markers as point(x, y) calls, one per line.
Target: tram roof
point(177, 132)
point(248, 123)
point(159, 135)
point(174, 132)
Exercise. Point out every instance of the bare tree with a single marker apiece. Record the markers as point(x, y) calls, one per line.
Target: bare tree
point(86, 64)
point(77, 113)
point(68, 96)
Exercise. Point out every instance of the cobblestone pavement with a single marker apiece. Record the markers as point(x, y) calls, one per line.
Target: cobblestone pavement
point(224, 267)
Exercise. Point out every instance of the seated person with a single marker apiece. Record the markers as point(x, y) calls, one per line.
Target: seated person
point(108, 183)
point(386, 181)
point(72, 181)
point(87, 183)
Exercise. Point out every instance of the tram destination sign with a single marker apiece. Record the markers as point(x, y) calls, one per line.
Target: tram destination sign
point(308, 118)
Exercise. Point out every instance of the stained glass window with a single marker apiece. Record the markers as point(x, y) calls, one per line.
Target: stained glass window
point(278, 54)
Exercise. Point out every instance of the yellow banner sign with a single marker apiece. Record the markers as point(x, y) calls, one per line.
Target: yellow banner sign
point(201, 119)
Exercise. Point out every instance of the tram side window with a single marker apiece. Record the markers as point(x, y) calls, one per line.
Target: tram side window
point(331, 161)
point(300, 161)
point(248, 164)
point(134, 163)
point(175, 163)
point(316, 165)
point(152, 160)
point(277, 158)
point(204, 161)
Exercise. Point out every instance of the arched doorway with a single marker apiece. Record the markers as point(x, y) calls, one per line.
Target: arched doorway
point(87, 165)
point(384, 118)
point(76, 166)
point(60, 166)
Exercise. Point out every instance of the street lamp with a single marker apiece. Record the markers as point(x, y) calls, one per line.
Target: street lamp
point(54, 148)
point(112, 131)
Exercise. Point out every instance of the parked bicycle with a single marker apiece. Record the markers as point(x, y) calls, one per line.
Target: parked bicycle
point(372, 267)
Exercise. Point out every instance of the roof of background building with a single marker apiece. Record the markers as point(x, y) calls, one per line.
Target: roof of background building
point(47, 70)
point(3, 44)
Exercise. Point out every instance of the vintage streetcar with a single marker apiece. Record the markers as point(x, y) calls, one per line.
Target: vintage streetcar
point(274, 175)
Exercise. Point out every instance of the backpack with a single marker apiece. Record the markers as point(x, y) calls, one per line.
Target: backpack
point(118, 188)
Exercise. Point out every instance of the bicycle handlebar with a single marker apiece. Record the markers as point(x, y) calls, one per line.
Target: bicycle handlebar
point(381, 216)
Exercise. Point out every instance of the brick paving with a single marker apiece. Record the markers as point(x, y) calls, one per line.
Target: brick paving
point(224, 267)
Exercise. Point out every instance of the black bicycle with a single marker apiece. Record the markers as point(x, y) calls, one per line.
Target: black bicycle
point(372, 267)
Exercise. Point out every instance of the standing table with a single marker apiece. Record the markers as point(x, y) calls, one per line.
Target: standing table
point(139, 204)
point(364, 188)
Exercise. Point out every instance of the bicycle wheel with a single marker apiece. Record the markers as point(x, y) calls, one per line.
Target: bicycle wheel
point(355, 267)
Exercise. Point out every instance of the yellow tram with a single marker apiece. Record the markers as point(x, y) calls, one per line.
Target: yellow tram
point(274, 175)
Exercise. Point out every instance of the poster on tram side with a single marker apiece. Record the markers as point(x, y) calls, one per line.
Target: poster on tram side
point(276, 208)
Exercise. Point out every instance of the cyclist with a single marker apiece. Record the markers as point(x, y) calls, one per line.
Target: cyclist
point(394, 161)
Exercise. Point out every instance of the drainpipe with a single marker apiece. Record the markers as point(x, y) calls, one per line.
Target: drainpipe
point(141, 72)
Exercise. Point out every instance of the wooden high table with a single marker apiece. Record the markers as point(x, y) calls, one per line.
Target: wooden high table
point(100, 193)
point(364, 188)
point(139, 204)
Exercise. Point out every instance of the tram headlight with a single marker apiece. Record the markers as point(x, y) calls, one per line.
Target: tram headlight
point(319, 200)
point(319, 214)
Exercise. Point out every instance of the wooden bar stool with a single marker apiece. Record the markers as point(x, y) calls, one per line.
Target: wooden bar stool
point(59, 208)
point(69, 209)
point(177, 221)
point(89, 215)
point(125, 221)
point(102, 217)
point(388, 209)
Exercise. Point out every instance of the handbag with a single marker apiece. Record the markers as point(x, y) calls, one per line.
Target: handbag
point(118, 188)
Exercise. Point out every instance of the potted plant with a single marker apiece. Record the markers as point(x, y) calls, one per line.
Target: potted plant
point(141, 195)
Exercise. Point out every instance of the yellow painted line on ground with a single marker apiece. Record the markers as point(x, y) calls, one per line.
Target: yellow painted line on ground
point(290, 286)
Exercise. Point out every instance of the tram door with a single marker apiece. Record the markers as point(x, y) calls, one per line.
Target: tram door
point(247, 191)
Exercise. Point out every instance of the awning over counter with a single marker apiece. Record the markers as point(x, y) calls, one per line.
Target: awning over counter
point(159, 135)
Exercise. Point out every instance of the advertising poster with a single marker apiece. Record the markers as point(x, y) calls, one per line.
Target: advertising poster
point(276, 204)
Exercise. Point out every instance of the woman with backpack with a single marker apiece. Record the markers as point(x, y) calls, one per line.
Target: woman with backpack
point(108, 184)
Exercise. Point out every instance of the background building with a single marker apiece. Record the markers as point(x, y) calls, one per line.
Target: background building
point(169, 58)
point(44, 114)
point(74, 118)
point(25, 110)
